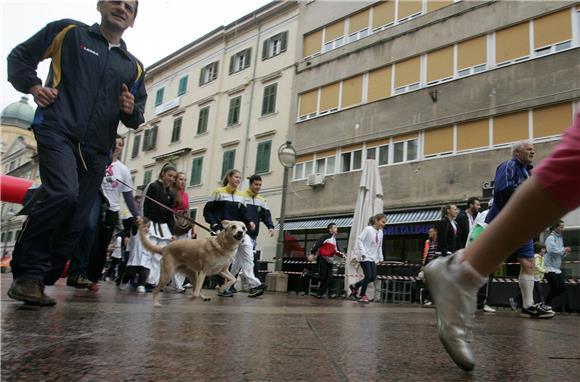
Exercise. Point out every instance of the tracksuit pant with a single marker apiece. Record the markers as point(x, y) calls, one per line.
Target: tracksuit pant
point(244, 262)
point(370, 271)
point(71, 175)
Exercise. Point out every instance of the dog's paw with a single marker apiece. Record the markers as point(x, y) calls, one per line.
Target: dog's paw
point(205, 298)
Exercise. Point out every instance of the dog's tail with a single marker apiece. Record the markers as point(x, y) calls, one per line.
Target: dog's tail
point(146, 242)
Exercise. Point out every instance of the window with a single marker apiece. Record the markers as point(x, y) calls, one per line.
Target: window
point(9, 238)
point(379, 84)
point(334, 36)
point(472, 56)
point(358, 26)
point(308, 168)
point(234, 112)
point(438, 141)
point(193, 213)
point(182, 86)
point(263, 157)
point(329, 98)
point(298, 171)
point(269, 100)
point(440, 65)
point(512, 44)
point(552, 120)
point(240, 60)
point(150, 138)
point(196, 167)
point(136, 144)
point(228, 162)
point(303, 167)
point(405, 149)
point(552, 32)
point(147, 177)
point(202, 120)
point(159, 96)
point(409, 9)
point(351, 161)
point(433, 5)
point(380, 152)
point(274, 45)
point(208, 73)
point(510, 128)
point(383, 14)
point(308, 105)
point(407, 75)
point(473, 135)
point(352, 91)
point(326, 166)
point(176, 132)
point(312, 44)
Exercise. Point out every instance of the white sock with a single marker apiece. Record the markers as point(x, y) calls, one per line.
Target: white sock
point(469, 277)
point(527, 288)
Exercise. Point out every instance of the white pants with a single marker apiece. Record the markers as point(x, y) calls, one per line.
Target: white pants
point(244, 262)
point(160, 235)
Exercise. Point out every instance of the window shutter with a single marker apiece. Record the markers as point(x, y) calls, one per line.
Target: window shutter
point(263, 157)
point(232, 60)
point(154, 136)
point(146, 139)
point(248, 54)
point(215, 72)
point(265, 49)
point(284, 40)
point(136, 145)
point(201, 76)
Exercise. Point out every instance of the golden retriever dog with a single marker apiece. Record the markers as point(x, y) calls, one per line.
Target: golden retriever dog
point(197, 258)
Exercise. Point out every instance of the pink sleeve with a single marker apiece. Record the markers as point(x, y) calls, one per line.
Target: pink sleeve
point(559, 173)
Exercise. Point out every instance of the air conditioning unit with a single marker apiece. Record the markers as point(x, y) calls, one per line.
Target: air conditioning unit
point(315, 180)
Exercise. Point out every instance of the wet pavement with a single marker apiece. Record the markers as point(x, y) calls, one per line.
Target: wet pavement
point(119, 336)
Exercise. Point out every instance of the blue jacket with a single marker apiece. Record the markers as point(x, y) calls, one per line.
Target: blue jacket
point(225, 203)
point(508, 177)
point(257, 212)
point(88, 76)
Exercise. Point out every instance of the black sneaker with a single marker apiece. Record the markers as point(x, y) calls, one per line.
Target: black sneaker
point(225, 293)
point(537, 311)
point(31, 292)
point(257, 291)
point(78, 282)
point(353, 291)
point(233, 289)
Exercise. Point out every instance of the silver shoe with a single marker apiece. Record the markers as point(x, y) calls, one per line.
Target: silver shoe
point(455, 311)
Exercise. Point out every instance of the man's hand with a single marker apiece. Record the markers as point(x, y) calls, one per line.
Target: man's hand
point(126, 100)
point(252, 226)
point(43, 96)
point(271, 230)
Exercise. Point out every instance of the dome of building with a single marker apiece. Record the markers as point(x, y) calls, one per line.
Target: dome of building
point(18, 113)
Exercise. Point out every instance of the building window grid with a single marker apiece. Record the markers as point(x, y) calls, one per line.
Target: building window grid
point(234, 111)
point(176, 132)
point(136, 145)
point(159, 96)
point(202, 120)
point(228, 162)
point(196, 171)
point(208, 73)
point(263, 154)
point(182, 89)
point(551, 49)
point(269, 99)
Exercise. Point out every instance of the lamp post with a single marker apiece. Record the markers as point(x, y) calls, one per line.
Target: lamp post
point(287, 158)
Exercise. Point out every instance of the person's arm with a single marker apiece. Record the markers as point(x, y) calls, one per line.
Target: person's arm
point(319, 243)
point(266, 218)
point(361, 245)
point(209, 212)
point(131, 203)
point(137, 92)
point(539, 264)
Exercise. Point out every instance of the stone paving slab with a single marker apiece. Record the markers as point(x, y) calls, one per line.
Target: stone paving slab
point(119, 336)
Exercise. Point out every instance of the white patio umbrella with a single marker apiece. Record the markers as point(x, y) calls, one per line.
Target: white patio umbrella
point(369, 202)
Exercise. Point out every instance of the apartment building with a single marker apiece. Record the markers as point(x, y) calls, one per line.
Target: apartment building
point(219, 103)
point(436, 92)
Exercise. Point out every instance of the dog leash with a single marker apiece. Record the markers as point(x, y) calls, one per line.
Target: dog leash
point(188, 218)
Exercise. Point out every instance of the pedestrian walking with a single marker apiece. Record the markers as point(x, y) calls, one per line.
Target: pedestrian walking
point(325, 249)
point(555, 252)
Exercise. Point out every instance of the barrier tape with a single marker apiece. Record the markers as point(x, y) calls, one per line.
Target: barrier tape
point(389, 263)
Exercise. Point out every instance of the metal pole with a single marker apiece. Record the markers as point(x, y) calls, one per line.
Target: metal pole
point(280, 251)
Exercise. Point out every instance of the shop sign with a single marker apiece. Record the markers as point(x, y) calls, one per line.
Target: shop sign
point(406, 229)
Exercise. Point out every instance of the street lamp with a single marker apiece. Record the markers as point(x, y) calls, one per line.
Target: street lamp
point(287, 158)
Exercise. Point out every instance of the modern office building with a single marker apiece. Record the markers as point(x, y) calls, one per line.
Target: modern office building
point(436, 92)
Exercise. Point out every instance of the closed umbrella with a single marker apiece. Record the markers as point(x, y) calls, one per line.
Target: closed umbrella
point(369, 202)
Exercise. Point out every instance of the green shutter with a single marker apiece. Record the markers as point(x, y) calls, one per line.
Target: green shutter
point(232, 60)
point(234, 112)
point(248, 54)
point(228, 162)
point(196, 167)
point(159, 97)
point(284, 39)
point(136, 145)
point(202, 120)
point(269, 100)
point(147, 177)
point(175, 134)
point(263, 157)
point(265, 46)
point(182, 86)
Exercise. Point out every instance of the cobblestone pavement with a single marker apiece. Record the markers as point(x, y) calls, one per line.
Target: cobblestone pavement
point(119, 336)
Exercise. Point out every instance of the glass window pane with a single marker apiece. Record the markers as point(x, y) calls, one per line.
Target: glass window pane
point(384, 155)
point(345, 164)
point(372, 153)
point(320, 165)
point(357, 160)
point(308, 168)
point(412, 150)
point(299, 171)
point(330, 165)
point(399, 147)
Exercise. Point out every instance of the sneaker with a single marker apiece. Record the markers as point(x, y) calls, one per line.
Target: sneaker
point(546, 307)
point(179, 290)
point(364, 300)
point(537, 311)
point(233, 289)
point(427, 303)
point(31, 292)
point(455, 308)
point(256, 292)
point(225, 293)
point(513, 304)
point(488, 309)
point(188, 285)
point(122, 286)
point(141, 289)
point(353, 291)
point(78, 282)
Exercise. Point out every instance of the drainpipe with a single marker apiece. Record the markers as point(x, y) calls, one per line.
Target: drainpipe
point(253, 80)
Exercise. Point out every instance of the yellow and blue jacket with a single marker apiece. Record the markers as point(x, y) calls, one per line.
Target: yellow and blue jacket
point(257, 211)
point(225, 203)
point(88, 75)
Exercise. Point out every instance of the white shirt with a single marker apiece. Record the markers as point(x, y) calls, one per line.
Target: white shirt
point(117, 249)
point(113, 189)
point(369, 245)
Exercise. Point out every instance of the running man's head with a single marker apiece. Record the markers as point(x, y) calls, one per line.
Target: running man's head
point(332, 228)
point(117, 16)
point(255, 183)
point(523, 151)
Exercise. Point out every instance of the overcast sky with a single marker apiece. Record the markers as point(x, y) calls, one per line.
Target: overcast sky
point(162, 26)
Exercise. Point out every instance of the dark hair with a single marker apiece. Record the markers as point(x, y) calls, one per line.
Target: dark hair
point(445, 210)
point(472, 201)
point(380, 216)
point(538, 247)
point(254, 177)
point(231, 172)
point(372, 220)
point(175, 190)
point(166, 167)
point(433, 226)
point(330, 225)
point(556, 225)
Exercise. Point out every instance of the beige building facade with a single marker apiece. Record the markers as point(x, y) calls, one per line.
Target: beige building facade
point(222, 102)
point(436, 92)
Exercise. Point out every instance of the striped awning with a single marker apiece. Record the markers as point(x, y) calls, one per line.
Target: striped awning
point(407, 217)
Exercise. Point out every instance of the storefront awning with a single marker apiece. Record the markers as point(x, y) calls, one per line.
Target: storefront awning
point(393, 218)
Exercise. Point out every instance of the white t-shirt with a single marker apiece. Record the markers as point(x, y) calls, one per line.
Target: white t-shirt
point(114, 189)
point(117, 254)
point(369, 245)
